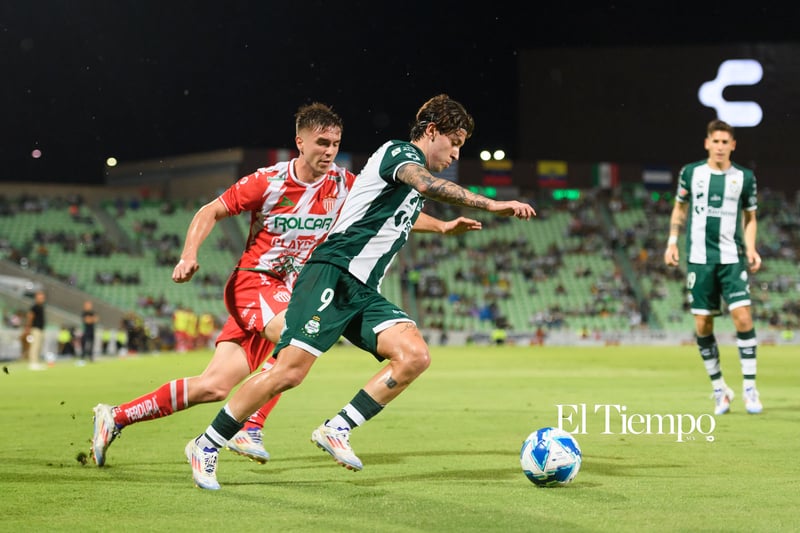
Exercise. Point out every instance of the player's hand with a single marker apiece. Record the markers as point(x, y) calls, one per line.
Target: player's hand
point(753, 261)
point(184, 270)
point(512, 209)
point(671, 255)
point(461, 225)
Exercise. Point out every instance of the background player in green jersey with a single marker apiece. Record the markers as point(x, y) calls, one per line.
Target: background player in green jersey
point(717, 202)
point(339, 287)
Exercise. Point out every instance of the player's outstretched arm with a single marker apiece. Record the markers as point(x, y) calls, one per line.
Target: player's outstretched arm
point(446, 191)
point(428, 224)
point(200, 227)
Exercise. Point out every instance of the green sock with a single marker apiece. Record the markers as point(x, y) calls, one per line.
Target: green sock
point(221, 430)
point(360, 409)
point(747, 344)
point(709, 351)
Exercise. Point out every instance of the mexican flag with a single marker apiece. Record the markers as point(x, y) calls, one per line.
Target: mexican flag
point(606, 175)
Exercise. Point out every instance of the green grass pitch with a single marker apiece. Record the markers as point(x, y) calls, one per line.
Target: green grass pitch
point(443, 457)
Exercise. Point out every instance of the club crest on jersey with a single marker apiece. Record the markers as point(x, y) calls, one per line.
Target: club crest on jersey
point(311, 329)
point(328, 203)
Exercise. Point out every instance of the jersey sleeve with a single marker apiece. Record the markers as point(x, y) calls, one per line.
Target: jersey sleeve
point(247, 194)
point(684, 184)
point(749, 192)
point(399, 154)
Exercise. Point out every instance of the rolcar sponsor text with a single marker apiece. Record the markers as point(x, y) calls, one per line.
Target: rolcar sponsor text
point(308, 222)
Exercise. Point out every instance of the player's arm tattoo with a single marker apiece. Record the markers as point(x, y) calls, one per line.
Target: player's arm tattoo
point(678, 220)
point(439, 189)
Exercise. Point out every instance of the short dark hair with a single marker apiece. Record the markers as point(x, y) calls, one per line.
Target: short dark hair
point(719, 125)
point(448, 115)
point(317, 116)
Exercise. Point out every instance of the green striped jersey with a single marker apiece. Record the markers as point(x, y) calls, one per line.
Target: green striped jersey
point(376, 217)
point(716, 201)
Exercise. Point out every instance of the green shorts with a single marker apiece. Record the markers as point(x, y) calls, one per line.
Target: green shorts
point(328, 303)
point(708, 284)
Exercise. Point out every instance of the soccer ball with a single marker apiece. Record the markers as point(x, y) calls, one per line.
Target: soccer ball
point(550, 457)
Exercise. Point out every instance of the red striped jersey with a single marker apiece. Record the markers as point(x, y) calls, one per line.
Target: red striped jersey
point(288, 217)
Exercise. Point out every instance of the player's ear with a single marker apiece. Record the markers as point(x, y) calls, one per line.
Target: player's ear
point(431, 130)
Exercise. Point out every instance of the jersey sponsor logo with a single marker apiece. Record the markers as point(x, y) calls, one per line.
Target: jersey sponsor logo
point(285, 202)
point(283, 223)
point(733, 72)
point(286, 264)
point(272, 175)
point(716, 212)
point(299, 243)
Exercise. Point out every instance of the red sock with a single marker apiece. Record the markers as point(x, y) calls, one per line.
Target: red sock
point(165, 400)
point(257, 419)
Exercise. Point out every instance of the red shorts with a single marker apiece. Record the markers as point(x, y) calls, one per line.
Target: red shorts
point(252, 300)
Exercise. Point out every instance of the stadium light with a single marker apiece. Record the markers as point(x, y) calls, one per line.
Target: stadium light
point(488, 155)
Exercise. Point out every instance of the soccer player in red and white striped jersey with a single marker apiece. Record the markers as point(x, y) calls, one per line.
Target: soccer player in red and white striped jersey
point(292, 206)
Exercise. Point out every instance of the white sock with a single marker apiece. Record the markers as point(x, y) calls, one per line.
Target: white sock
point(338, 421)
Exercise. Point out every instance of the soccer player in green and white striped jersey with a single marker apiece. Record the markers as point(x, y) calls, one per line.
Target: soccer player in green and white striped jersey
point(339, 287)
point(717, 201)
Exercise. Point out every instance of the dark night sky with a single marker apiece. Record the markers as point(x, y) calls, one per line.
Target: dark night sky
point(83, 80)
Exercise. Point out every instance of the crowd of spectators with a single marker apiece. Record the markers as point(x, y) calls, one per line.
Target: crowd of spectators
point(490, 270)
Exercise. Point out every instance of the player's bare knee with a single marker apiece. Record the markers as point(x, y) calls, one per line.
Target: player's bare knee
point(203, 393)
point(416, 360)
point(288, 378)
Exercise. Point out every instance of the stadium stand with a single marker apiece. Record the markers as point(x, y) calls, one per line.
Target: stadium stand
point(591, 267)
